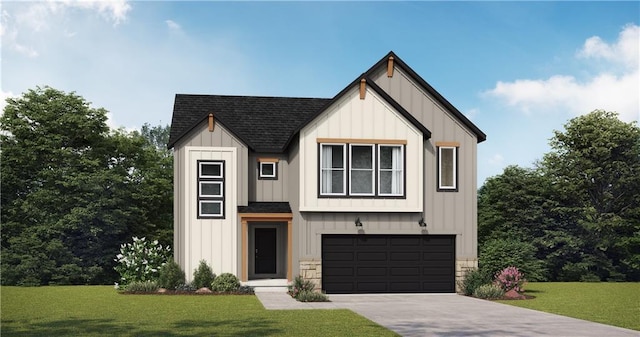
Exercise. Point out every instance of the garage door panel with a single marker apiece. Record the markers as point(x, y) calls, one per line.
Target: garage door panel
point(405, 241)
point(339, 271)
point(405, 256)
point(371, 271)
point(436, 256)
point(388, 263)
point(372, 241)
point(405, 271)
point(372, 256)
point(339, 241)
point(372, 287)
point(339, 256)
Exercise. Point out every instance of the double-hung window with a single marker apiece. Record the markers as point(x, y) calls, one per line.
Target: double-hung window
point(390, 170)
point(332, 169)
point(210, 189)
point(447, 168)
point(362, 170)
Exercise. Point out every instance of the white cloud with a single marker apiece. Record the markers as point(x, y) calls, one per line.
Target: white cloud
point(624, 51)
point(3, 97)
point(24, 20)
point(172, 25)
point(615, 89)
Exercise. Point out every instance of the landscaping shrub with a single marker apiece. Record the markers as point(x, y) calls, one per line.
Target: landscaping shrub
point(299, 285)
point(303, 291)
point(140, 260)
point(203, 276)
point(497, 254)
point(226, 282)
point(311, 296)
point(488, 292)
point(142, 287)
point(186, 287)
point(171, 276)
point(472, 280)
point(245, 290)
point(510, 278)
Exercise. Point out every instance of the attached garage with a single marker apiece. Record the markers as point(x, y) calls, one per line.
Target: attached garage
point(388, 263)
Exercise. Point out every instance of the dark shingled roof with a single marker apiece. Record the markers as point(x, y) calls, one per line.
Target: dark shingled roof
point(265, 207)
point(264, 124)
point(269, 124)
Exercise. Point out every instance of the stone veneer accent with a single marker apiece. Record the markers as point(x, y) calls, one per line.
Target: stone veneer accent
point(462, 267)
point(312, 270)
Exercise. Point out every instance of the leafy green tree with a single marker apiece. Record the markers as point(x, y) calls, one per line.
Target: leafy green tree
point(69, 189)
point(579, 207)
point(595, 165)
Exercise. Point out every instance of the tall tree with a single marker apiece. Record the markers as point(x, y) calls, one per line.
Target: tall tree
point(72, 191)
point(595, 165)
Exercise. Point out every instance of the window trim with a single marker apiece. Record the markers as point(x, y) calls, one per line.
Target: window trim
point(403, 161)
point(262, 176)
point(376, 171)
point(373, 170)
point(210, 162)
point(344, 170)
point(204, 198)
point(441, 187)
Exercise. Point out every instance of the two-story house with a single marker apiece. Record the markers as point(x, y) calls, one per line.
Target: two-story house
point(371, 191)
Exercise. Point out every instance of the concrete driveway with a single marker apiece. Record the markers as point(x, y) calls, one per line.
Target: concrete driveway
point(451, 315)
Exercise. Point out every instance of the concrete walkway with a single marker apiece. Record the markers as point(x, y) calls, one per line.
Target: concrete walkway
point(450, 315)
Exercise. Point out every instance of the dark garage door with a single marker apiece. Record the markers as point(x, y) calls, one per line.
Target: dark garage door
point(388, 263)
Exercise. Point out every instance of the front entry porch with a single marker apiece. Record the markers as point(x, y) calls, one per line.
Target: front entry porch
point(266, 247)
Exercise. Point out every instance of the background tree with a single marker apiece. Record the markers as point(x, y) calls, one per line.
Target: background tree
point(579, 207)
point(72, 190)
point(595, 164)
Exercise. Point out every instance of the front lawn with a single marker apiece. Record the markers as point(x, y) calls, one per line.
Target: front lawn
point(609, 303)
point(101, 311)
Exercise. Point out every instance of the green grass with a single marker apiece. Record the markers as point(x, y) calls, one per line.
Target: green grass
point(101, 311)
point(609, 303)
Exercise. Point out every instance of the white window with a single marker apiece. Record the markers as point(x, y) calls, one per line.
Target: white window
point(211, 189)
point(371, 170)
point(361, 170)
point(332, 169)
point(390, 170)
point(447, 168)
point(268, 170)
point(211, 209)
point(210, 170)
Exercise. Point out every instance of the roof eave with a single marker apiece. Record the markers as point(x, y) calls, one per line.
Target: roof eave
point(481, 136)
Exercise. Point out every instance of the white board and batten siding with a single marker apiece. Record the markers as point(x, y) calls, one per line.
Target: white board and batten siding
point(353, 118)
point(212, 240)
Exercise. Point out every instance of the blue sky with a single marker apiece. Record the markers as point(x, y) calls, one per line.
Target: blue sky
point(518, 70)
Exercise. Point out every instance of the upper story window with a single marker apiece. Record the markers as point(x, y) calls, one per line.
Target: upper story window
point(211, 189)
point(268, 168)
point(448, 167)
point(332, 169)
point(362, 170)
point(391, 170)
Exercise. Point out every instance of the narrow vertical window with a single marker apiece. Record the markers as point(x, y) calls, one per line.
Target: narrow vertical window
point(391, 170)
point(210, 189)
point(332, 169)
point(447, 168)
point(361, 170)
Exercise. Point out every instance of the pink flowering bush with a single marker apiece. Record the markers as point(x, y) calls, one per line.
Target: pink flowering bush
point(510, 278)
